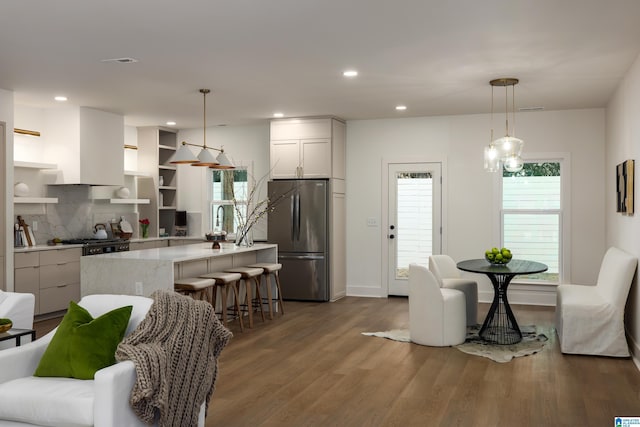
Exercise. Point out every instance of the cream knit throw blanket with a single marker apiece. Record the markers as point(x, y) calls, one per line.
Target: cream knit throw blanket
point(175, 350)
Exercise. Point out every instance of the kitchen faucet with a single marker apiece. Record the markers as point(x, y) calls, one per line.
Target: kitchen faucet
point(218, 215)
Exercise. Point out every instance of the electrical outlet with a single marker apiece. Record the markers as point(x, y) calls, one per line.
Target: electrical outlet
point(34, 226)
point(138, 288)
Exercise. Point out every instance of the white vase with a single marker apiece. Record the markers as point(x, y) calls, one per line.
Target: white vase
point(21, 189)
point(123, 192)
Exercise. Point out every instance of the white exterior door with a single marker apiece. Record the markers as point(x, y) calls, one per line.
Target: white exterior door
point(414, 230)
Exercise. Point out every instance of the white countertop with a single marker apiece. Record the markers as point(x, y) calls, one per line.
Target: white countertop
point(184, 252)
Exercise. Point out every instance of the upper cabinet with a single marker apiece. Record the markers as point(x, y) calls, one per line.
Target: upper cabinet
point(308, 148)
point(86, 144)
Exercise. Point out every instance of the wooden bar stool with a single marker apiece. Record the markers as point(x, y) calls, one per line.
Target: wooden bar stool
point(269, 269)
point(249, 275)
point(195, 287)
point(223, 280)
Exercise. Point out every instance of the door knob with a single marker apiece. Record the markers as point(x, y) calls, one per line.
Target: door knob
point(391, 236)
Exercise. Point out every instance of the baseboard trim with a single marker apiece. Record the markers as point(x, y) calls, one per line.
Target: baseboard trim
point(634, 349)
point(366, 291)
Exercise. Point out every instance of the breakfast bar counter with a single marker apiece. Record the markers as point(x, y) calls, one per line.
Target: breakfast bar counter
point(144, 271)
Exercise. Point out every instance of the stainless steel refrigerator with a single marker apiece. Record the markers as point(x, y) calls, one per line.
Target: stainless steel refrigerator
point(299, 225)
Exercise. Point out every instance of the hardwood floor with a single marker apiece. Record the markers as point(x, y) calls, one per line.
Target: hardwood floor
point(312, 367)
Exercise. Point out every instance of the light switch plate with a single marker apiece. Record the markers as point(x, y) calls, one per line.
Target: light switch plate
point(372, 222)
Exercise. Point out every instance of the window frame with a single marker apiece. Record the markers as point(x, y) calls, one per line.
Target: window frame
point(216, 202)
point(564, 214)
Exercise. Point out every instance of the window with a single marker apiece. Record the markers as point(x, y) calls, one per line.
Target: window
point(227, 185)
point(532, 213)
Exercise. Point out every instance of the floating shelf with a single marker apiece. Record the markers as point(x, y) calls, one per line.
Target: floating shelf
point(35, 200)
point(136, 173)
point(166, 147)
point(167, 208)
point(166, 187)
point(167, 167)
point(129, 201)
point(35, 165)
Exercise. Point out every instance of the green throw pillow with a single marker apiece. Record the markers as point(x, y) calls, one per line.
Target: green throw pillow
point(83, 345)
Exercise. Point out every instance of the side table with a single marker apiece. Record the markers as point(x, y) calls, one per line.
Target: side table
point(17, 334)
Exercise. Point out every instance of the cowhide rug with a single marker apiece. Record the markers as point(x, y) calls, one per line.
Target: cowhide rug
point(532, 342)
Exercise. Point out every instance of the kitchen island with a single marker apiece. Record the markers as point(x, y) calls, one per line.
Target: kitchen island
point(144, 271)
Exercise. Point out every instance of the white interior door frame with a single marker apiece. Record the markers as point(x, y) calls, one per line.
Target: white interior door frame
point(384, 213)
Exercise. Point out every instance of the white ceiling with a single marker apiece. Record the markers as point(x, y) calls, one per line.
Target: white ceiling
point(262, 56)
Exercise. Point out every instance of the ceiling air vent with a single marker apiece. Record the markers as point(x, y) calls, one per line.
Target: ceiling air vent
point(121, 60)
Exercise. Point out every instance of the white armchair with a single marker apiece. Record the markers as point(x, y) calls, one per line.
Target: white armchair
point(18, 307)
point(449, 277)
point(590, 319)
point(437, 316)
point(39, 401)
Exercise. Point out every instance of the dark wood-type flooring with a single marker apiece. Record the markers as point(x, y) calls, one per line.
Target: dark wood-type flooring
point(312, 367)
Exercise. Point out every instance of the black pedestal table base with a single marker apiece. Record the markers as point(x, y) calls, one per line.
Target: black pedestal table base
point(500, 325)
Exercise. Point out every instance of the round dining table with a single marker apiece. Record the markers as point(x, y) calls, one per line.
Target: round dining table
point(500, 325)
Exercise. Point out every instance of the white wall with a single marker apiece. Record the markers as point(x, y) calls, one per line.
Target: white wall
point(623, 143)
point(244, 145)
point(6, 115)
point(470, 219)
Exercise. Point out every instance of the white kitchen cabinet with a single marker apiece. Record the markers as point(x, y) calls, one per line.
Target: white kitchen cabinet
point(86, 144)
point(305, 158)
point(338, 260)
point(156, 146)
point(151, 244)
point(307, 148)
point(53, 276)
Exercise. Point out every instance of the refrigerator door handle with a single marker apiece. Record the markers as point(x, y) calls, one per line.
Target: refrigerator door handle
point(310, 257)
point(293, 217)
point(297, 216)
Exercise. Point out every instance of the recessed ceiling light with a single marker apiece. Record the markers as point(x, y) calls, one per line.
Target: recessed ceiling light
point(60, 98)
point(278, 115)
point(171, 123)
point(350, 73)
point(401, 107)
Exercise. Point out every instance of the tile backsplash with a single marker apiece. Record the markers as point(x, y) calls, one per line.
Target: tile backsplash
point(75, 214)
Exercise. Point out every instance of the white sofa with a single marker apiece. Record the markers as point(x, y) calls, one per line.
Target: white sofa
point(101, 402)
point(590, 319)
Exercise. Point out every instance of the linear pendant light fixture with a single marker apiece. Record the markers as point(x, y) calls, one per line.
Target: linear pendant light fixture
point(204, 158)
point(505, 151)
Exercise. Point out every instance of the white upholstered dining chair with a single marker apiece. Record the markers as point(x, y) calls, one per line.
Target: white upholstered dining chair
point(437, 316)
point(590, 319)
point(444, 269)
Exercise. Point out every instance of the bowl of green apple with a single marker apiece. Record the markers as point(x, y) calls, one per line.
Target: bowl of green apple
point(498, 256)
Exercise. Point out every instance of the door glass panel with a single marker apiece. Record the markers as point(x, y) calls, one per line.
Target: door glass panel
point(414, 220)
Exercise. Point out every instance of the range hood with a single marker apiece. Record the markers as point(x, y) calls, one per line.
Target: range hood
point(87, 146)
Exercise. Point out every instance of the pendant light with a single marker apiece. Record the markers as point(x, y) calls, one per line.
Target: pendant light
point(506, 150)
point(204, 158)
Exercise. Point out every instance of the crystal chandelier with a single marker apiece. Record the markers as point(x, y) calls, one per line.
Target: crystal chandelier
point(505, 151)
